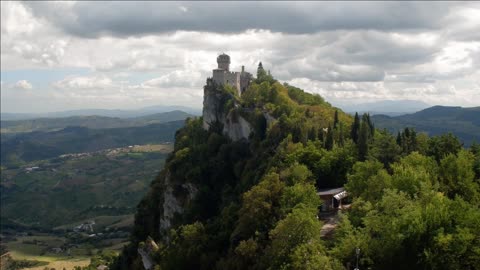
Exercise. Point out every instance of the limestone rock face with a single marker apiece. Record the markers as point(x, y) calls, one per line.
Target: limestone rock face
point(213, 103)
point(214, 112)
point(171, 205)
point(174, 203)
point(146, 252)
point(236, 127)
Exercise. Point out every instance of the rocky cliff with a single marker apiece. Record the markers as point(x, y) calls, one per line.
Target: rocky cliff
point(221, 109)
point(203, 164)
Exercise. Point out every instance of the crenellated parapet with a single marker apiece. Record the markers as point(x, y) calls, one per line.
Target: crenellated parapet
point(223, 76)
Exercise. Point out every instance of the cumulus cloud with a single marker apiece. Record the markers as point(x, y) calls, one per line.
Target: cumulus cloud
point(178, 78)
point(95, 82)
point(163, 51)
point(114, 92)
point(23, 84)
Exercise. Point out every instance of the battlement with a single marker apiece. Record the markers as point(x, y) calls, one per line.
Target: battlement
point(223, 76)
point(223, 61)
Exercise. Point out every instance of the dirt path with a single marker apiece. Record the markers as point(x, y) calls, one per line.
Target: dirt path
point(330, 225)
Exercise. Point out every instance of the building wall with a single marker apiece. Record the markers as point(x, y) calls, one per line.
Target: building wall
point(245, 79)
point(219, 76)
point(222, 76)
point(232, 79)
point(224, 65)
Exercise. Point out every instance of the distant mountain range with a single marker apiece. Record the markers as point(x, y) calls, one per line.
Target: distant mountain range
point(89, 121)
point(436, 120)
point(101, 112)
point(21, 147)
point(387, 107)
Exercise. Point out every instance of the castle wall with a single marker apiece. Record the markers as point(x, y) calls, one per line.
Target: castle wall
point(245, 79)
point(224, 65)
point(219, 76)
point(232, 79)
point(222, 75)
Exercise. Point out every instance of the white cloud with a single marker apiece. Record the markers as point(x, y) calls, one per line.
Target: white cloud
point(23, 84)
point(115, 92)
point(178, 78)
point(84, 83)
point(433, 57)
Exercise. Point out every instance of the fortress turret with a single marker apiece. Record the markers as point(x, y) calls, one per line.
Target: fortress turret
point(223, 76)
point(223, 61)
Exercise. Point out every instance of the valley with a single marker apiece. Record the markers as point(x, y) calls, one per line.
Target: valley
point(70, 186)
point(62, 211)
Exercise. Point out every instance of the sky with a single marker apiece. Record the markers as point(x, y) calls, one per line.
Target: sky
point(124, 55)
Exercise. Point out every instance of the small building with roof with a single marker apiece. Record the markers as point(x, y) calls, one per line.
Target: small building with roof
point(332, 198)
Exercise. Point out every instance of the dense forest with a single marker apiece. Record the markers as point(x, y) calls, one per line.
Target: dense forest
point(414, 199)
point(437, 120)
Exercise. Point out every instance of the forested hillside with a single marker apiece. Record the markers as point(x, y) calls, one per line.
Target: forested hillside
point(25, 147)
point(437, 120)
point(90, 121)
point(252, 203)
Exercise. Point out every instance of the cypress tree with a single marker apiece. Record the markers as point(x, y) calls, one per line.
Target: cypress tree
point(329, 142)
point(355, 128)
point(312, 134)
point(261, 72)
point(335, 119)
point(363, 138)
point(341, 136)
point(399, 138)
point(320, 135)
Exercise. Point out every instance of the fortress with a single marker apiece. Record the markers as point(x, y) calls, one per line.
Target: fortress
point(215, 112)
point(223, 76)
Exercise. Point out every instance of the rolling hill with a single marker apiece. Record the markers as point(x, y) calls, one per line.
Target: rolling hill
point(387, 107)
point(26, 147)
point(100, 112)
point(71, 188)
point(89, 121)
point(436, 120)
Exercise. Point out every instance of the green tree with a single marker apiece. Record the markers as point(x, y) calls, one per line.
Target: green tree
point(187, 248)
point(329, 142)
point(300, 195)
point(363, 138)
point(335, 120)
point(312, 256)
point(355, 128)
point(457, 176)
point(441, 146)
point(260, 207)
point(384, 148)
point(368, 180)
point(299, 227)
point(413, 172)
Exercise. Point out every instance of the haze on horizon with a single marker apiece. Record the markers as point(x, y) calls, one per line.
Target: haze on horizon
point(124, 55)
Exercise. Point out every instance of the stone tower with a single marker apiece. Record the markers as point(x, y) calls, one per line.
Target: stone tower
point(223, 76)
point(223, 61)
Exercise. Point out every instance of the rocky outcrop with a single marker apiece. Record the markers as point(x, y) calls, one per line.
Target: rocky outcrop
point(171, 205)
point(147, 252)
point(236, 127)
point(213, 106)
point(220, 107)
point(147, 260)
point(174, 204)
point(269, 119)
